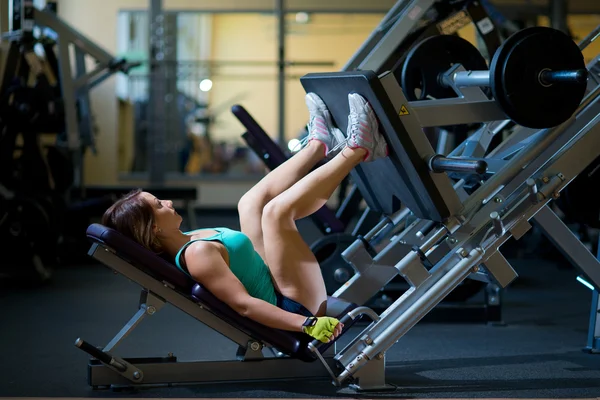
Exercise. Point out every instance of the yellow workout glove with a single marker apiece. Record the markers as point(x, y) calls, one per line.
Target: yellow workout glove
point(320, 328)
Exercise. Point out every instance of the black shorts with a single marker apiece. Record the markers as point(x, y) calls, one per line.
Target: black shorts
point(292, 306)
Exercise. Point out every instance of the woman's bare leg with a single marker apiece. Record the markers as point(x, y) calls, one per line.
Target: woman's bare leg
point(295, 270)
point(251, 205)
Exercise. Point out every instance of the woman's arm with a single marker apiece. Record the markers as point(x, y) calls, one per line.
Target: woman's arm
point(207, 267)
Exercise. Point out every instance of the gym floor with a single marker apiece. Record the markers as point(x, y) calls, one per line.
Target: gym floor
point(536, 354)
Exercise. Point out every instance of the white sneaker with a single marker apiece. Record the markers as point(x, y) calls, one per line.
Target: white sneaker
point(363, 129)
point(320, 126)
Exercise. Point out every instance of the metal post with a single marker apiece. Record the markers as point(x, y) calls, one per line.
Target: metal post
point(173, 139)
point(558, 15)
point(280, 11)
point(593, 35)
point(593, 342)
point(156, 94)
point(14, 11)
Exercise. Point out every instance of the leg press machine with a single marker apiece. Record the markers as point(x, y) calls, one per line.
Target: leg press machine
point(445, 219)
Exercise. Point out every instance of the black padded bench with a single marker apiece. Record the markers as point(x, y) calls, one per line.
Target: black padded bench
point(167, 284)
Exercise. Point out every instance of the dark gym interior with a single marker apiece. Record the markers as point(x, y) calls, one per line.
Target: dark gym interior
point(465, 263)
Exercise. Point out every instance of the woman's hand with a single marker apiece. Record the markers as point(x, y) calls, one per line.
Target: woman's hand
point(324, 329)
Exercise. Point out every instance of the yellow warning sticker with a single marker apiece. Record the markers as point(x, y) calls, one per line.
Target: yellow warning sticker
point(403, 110)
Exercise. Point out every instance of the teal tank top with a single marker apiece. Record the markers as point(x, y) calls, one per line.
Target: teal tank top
point(245, 263)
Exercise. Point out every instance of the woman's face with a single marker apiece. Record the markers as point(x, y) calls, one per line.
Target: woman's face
point(165, 216)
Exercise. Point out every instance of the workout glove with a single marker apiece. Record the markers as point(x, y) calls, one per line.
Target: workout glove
point(321, 328)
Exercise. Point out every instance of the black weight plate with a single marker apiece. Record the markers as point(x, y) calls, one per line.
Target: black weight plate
point(432, 57)
point(515, 83)
point(497, 70)
point(27, 222)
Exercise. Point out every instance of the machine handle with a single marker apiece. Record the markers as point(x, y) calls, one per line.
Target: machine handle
point(102, 356)
point(439, 163)
point(347, 319)
point(93, 351)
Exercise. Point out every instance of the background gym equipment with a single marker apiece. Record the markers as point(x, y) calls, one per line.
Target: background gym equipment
point(46, 128)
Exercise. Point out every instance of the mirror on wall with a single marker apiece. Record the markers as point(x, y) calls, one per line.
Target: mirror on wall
point(217, 60)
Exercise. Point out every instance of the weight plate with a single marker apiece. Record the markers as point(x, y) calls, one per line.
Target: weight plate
point(515, 83)
point(432, 57)
point(27, 224)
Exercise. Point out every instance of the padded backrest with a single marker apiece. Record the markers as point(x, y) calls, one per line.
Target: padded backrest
point(141, 257)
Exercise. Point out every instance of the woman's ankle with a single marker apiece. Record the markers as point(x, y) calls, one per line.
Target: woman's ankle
point(357, 152)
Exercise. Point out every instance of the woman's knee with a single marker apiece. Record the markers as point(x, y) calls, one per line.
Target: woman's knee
point(250, 204)
point(250, 214)
point(275, 212)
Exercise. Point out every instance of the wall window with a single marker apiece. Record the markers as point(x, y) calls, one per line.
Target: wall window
point(222, 59)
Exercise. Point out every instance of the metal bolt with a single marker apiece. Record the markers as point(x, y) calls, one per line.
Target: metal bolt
point(498, 200)
point(255, 346)
point(137, 375)
point(463, 253)
point(545, 179)
point(369, 341)
point(476, 268)
point(452, 240)
point(555, 195)
point(151, 310)
point(379, 356)
point(358, 358)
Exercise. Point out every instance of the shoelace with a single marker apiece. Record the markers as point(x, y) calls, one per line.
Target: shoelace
point(304, 141)
point(302, 144)
point(356, 129)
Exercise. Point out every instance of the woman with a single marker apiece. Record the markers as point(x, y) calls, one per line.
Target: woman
point(266, 272)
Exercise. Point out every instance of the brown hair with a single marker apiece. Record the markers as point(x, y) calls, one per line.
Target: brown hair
point(133, 217)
